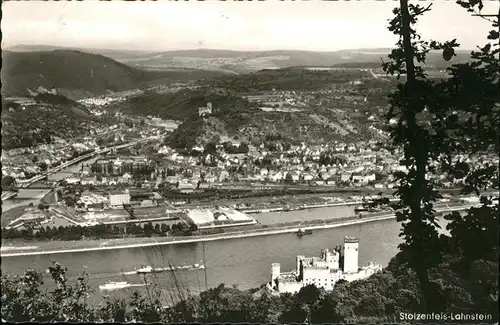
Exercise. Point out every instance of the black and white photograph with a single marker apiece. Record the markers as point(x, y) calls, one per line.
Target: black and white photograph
point(257, 162)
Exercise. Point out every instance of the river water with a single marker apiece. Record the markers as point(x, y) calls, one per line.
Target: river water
point(326, 213)
point(245, 262)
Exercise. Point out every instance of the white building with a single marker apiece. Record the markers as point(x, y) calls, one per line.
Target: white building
point(118, 199)
point(323, 271)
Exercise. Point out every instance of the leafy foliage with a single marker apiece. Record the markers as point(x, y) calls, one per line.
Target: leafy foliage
point(100, 231)
point(379, 299)
point(24, 301)
point(52, 116)
point(437, 123)
point(230, 112)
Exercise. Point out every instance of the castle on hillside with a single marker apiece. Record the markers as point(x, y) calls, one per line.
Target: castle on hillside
point(323, 271)
point(205, 111)
point(41, 90)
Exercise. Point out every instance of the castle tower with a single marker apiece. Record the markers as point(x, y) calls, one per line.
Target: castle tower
point(275, 273)
point(323, 254)
point(351, 254)
point(298, 270)
point(334, 259)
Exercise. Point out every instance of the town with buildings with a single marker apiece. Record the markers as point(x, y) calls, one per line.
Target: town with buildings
point(145, 173)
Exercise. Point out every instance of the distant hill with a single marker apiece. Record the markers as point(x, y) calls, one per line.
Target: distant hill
point(77, 74)
point(241, 62)
point(28, 121)
point(114, 54)
point(228, 61)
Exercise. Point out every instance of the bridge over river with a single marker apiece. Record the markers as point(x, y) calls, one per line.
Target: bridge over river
point(49, 179)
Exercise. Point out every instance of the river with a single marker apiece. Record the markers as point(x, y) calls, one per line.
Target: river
point(245, 262)
point(67, 172)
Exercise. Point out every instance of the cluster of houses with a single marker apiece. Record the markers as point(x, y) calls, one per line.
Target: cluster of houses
point(352, 165)
point(359, 166)
point(25, 163)
point(356, 165)
point(119, 166)
point(101, 101)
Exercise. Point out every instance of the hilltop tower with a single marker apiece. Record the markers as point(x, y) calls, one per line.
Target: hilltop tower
point(351, 254)
point(275, 273)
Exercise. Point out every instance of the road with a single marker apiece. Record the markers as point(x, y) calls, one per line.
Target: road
point(373, 74)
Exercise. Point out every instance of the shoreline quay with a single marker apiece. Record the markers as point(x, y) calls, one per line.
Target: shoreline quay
point(305, 207)
point(226, 236)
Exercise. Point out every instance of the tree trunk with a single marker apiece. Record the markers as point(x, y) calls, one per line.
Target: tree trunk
point(417, 142)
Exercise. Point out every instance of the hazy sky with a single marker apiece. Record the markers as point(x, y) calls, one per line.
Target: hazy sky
point(301, 25)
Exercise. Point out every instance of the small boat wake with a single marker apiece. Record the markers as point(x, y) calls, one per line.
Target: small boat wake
point(111, 285)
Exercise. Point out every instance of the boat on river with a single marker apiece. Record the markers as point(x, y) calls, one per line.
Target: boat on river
point(111, 285)
point(149, 269)
point(360, 209)
point(301, 232)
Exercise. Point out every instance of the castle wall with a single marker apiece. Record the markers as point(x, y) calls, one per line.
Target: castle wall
point(320, 277)
point(288, 286)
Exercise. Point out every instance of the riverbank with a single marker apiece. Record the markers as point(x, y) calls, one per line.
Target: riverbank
point(60, 247)
point(148, 242)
